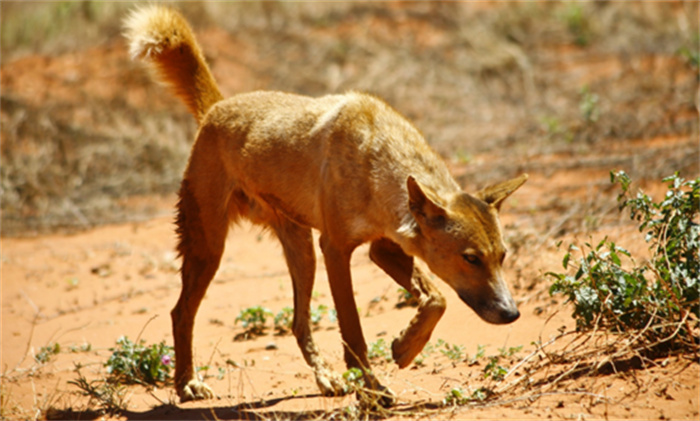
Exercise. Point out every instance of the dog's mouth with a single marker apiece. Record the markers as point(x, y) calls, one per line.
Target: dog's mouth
point(494, 311)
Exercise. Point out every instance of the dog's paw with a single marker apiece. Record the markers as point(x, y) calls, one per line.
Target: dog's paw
point(195, 390)
point(405, 349)
point(381, 397)
point(330, 383)
point(388, 397)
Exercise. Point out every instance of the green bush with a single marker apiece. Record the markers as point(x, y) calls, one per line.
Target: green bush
point(136, 363)
point(658, 298)
point(284, 320)
point(253, 319)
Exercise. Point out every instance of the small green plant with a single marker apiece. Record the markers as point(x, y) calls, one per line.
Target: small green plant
point(86, 347)
point(691, 56)
point(660, 298)
point(253, 319)
point(72, 284)
point(458, 397)
point(463, 156)
point(406, 299)
point(453, 352)
point(354, 380)
point(283, 320)
point(135, 363)
point(481, 394)
point(578, 24)
point(588, 105)
point(493, 370)
point(371, 402)
point(455, 397)
point(332, 315)
point(509, 352)
point(379, 350)
point(318, 313)
point(46, 352)
point(551, 125)
point(555, 130)
point(480, 352)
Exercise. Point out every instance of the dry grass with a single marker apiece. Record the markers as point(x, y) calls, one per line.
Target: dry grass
point(474, 80)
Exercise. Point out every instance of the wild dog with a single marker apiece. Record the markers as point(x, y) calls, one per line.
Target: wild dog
point(346, 165)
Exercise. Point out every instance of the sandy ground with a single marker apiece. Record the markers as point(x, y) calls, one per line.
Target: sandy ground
point(93, 287)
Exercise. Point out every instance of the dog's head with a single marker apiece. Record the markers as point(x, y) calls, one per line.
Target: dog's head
point(461, 241)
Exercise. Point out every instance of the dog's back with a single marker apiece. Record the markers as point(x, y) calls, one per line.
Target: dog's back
point(288, 152)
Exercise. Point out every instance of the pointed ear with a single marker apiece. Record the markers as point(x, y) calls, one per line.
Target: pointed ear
point(495, 195)
point(425, 211)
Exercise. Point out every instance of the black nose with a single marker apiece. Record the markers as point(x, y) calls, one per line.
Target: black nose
point(509, 316)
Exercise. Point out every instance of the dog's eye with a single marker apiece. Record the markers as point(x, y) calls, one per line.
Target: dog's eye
point(472, 259)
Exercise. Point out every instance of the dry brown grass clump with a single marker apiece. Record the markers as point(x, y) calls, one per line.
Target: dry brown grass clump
point(83, 129)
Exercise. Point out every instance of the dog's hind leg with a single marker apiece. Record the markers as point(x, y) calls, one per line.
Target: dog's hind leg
point(297, 243)
point(202, 225)
point(388, 255)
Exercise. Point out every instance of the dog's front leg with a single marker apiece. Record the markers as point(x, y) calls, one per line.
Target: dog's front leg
point(338, 267)
point(397, 264)
point(337, 261)
point(297, 244)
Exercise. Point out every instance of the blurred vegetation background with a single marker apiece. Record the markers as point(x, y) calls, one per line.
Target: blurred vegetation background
point(497, 88)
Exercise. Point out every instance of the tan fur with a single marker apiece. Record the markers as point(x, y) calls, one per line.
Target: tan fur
point(347, 165)
point(164, 37)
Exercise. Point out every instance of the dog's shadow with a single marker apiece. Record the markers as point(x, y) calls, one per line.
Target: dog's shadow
point(257, 410)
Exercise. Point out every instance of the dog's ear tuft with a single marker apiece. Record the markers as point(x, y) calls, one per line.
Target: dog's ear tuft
point(495, 195)
point(426, 212)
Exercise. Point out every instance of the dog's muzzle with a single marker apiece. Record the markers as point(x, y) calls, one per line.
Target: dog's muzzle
point(495, 311)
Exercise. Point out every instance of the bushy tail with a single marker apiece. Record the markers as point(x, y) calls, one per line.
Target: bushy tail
point(163, 38)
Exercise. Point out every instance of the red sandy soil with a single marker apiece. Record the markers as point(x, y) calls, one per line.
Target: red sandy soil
point(93, 287)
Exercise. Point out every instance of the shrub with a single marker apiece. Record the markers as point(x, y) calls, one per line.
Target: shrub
point(253, 319)
point(136, 363)
point(284, 320)
point(659, 298)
